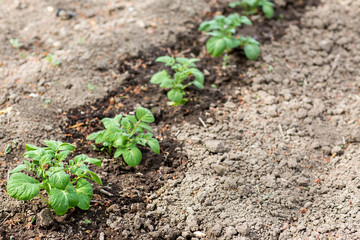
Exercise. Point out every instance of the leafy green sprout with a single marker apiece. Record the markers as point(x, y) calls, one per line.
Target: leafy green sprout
point(124, 133)
point(91, 87)
point(64, 182)
point(47, 102)
point(51, 59)
point(14, 42)
point(87, 221)
point(251, 7)
point(222, 31)
point(183, 68)
point(226, 60)
point(8, 149)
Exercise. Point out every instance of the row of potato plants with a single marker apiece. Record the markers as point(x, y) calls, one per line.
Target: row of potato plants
point(66, 181)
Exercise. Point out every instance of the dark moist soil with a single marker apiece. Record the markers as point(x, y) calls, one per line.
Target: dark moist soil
point(126, 191)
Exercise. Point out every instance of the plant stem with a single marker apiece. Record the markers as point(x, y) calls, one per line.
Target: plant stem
point(109, 150)
point(47, 203)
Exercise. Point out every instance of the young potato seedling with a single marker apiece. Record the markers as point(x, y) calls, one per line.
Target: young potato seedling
point(64, 182)
point(222, 30)
point(183, 68)
point(124, 133)
point(14, 42)
point(251, 7)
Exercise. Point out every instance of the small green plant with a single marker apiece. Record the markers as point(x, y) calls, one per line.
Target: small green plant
point(51, 59)
point(251, 7)
point(87, 221)
point(64, 182)
point(91, 87)
point(222, 30)
point(47, 102)
point(125, 133)
point(183, 68)
point(14, 42)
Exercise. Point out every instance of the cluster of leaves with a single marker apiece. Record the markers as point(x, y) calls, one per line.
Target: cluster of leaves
point(183, 68)
point(251, 7)
point(222, 31)
point(14, 42)
point(64, 182)
point(124, 133)
point(51, 59)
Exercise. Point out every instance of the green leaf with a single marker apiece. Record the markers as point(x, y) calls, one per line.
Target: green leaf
point(45, 159)
point(59, 201)
point(205, 26)
point(235, 4)
point(95, 177)
point(132, 156)
point(54, 169)
point(121, 141)
point(117, 118)
point(111, 134)
point(167, 83)
point(182, 60)
point(126, 123)
point(30, 147)
point(67, 147)
point(80, 158)
point(94, 161)
point(84, 191)
point(100, 137)
point(158, 77)
point(245, 20)
point(22, 187)
point(252, 51)
point(59, 179)
point(119, 152)
point(148, 136)
point(169, 61)
point(144, 115)
point(63, 155)
point(231, 43)
point(145, 126)
point(154, 145)
point(110, 123)
point(53, 145)
point(192, 61)
point(198, 85)
point(216, 33)
point(132, 119)
point(175, 95)
point(199, 76)
point(72, 196)
point(18, 168)
point(180, 77)
point(92, 136)
point(268, 9)
point(216, 46)
point(35, 154)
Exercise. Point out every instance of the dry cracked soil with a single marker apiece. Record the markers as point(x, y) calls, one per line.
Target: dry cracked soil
point(268, 150)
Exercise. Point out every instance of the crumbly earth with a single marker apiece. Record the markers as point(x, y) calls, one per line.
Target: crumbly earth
point(282, 164)
point(278, 160)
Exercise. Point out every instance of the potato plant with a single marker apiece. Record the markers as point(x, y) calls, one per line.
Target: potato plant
point(251, 7)
point(222, 31)
point(64, 182)
point(183, 68)
point(124, 134)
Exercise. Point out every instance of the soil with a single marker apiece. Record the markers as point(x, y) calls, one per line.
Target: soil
point(276, 157)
